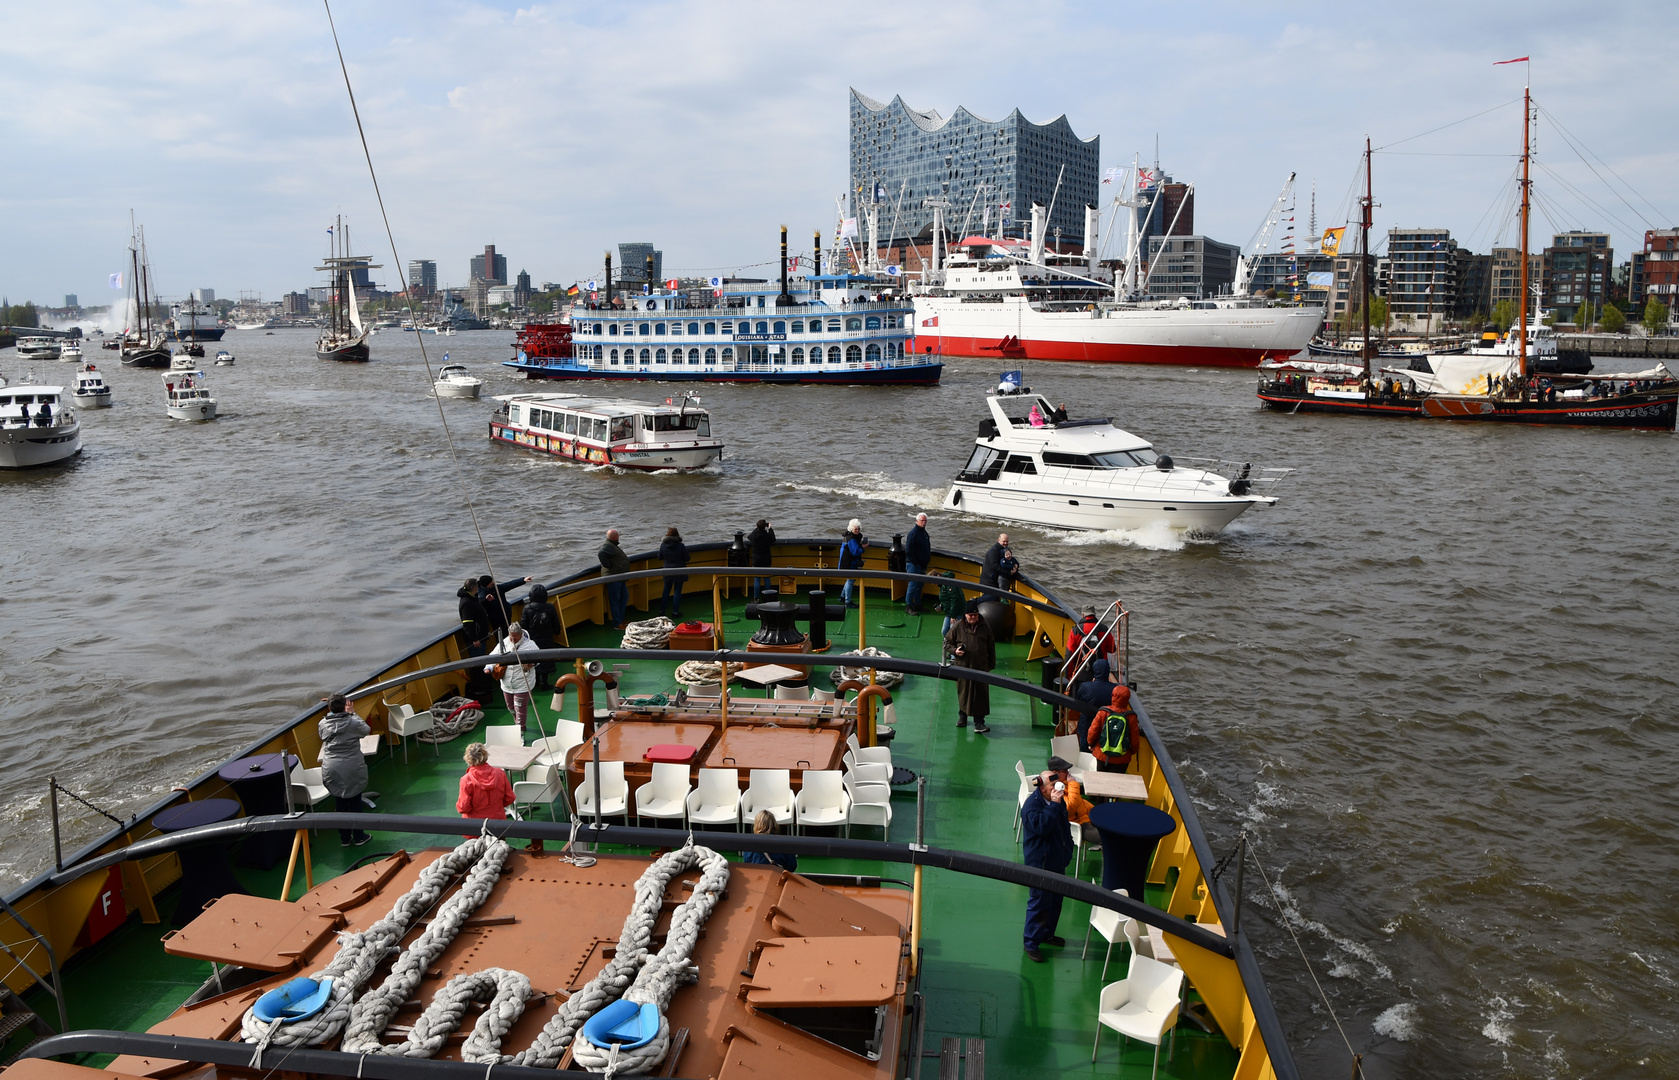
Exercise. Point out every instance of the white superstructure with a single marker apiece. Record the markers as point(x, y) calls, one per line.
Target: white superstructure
point(91, 390)
point(188, 396)
point(1031, 464)
point(454, 381)
point(37, 426)
point(37, 348)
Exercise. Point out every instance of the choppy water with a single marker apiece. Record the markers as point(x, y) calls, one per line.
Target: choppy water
point(1435, 683)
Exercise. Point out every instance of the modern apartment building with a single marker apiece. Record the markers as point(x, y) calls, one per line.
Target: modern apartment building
point(989, 171)
point(1198, 267)
point(422, 277)
point(1655, 270)
point(1577, 269)
point(1421, 282)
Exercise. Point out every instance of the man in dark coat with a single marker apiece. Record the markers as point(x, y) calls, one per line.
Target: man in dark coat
point(970, 645)
point(542, 623)
point(1094, 693)
point(494, 598)
point(762, 542)
point(1001, 567)
point(614, 561)
point(475, 623)
point(1047, 843)
point(918, 555)
point(672, 553)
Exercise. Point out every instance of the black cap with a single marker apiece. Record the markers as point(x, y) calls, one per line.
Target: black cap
point(1057, 763)
point(972, 608)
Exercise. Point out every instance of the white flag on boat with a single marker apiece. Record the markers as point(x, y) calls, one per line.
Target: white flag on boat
point(848, 228)
point(592, 286)
point(116, 281)
point(894, 271)
point(716, 283)
point(1111, 176)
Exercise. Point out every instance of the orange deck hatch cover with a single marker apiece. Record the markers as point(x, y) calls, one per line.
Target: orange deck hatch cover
point(808, 972)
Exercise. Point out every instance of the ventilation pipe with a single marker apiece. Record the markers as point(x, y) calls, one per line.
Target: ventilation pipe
point(1092, 221)
point(1036, 253)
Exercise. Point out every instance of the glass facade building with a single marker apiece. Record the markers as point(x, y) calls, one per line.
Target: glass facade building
point(899, 150)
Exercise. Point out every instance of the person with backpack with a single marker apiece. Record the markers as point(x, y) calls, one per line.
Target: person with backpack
point(851, 557)
point(1113, 734)
point(673, 554)
point(475, 621)
point(542, 623)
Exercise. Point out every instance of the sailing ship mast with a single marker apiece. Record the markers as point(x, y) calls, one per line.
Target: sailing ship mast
point(1521, 332)
point(1364, 255)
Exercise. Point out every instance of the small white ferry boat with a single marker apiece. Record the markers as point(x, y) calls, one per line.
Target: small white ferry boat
point(70, 351)
point(674, 436)
point(224, 358)
point(1033, 464)
point(37, 348)
point(37, 427)
point(91, 390)
point(454, 381)
point(189, 397)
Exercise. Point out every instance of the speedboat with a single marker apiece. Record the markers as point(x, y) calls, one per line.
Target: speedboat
point(91, 391)
point(181, 361)
point(37, 348)
point(71, 351)
point(37, 427)
point(224, 358)
point(1033, 464)
point(455, 381)
point(189, 398)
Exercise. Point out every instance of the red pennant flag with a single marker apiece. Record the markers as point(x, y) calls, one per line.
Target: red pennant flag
point(1517, 60)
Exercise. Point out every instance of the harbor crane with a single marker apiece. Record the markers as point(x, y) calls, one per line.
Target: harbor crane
point(1262, 238)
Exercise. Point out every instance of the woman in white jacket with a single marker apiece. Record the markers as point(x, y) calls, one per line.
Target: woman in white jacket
point(517, 680)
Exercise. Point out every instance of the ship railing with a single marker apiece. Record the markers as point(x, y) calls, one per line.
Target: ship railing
point(1261, 480)
point(1113, 623)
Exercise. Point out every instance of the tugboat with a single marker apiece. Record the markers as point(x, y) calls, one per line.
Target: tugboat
point(188, 397)
point(673, 437)
point(36, 426)
point(345, 338)
point(1032, 463)
point(91, 390)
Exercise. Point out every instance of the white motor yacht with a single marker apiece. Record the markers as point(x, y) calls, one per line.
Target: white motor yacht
point(91, 390)
point(70, 351)
point(1032, 464)
point(37, 427)
point(224, 358)
point(37, 348)
point(189, 398)
point(454, 381)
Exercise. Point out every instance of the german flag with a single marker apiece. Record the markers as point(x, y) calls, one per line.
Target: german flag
point(573, 291)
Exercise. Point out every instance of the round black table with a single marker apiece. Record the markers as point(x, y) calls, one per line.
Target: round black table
point(260, 782)
point(204, 870)
point(1130, 831)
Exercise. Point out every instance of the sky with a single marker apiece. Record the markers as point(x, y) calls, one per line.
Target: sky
point(556, 131)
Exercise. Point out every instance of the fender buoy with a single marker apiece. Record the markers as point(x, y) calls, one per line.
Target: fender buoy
point(297, 1000)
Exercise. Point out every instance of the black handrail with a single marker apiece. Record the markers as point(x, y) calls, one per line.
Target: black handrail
point(961, 862)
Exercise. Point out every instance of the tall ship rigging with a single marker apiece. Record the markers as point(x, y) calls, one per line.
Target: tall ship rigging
point(143, 343)
point(344, 338)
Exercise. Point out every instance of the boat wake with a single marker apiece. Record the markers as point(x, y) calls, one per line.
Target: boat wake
point(1398, 1023)
point(1149, 537)
point(874, 486)
point(1290, 912)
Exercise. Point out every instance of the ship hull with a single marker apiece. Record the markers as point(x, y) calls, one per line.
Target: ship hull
point(147, 358)
point(1312, 403)
point(33, 447)
point(1185, 337)
point(912, 375)
point(202, 333)
point(1653, 412)
point(355, 353)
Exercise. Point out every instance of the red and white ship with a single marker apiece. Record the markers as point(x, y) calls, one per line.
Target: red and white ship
point(1014, 300)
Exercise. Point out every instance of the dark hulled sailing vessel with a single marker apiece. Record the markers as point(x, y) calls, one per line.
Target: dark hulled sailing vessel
point(344, 338)
point(143, 344)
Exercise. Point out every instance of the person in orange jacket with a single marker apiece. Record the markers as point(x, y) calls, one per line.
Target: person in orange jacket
point(1114, 743)
point(485, 792)
point(1078, 807)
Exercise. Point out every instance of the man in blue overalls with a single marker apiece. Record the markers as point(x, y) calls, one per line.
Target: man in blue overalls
point(1048, 843)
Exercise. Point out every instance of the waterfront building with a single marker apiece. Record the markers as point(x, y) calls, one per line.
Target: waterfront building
point(632, 264)
point(422, 277)
point(70, 300)
point(1474, 280)
point(1198, 267)
point(1655, 270)
point(489, 268)
point(990, 172)
point(1303, 277)
point(204, 296)
point(522, 289)
point(1504, 277)
point(295, 303)
point(1421, 279)
point(1577, 269)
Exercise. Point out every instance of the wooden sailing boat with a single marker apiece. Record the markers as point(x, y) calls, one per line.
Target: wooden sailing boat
point(345, 338)
point(1646, 399)
point(143, 344)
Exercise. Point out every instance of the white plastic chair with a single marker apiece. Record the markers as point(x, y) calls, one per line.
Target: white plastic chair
point(867, 773)
point(503, 735)
point(1140, 944)
point(1143, 1006)
point(567, 734)
point(614, 791)
point(1020, 799)
point(1065, 746)
point(706, 690)
point(822, 799)
point(1086, 760)
point(403, 721)
point(717, 799)
point(769, 789)
point(823, 696)
point(541, 786)
point(873, 755)
point(1111, 925)
point(665, 798)
point(871, 804)
point(307, 787)
point(792, 693)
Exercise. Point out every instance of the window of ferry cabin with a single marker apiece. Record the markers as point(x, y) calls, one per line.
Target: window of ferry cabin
point(646, 330)
point(798, 326)
point(728, 328)
point(571, 423)
point(623, 427)
point(833, 326)
point(693, 329)
point(780, 328)
point(659, 329)
point(711, 327)
point(854, 324)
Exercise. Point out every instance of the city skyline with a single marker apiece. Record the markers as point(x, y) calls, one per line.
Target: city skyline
point(488, 123)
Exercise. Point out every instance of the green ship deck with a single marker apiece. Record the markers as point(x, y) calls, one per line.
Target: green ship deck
point(1037, 1019)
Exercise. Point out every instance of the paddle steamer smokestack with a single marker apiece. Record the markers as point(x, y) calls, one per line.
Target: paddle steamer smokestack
point(783, 300)
point(819, 251)
point(649, 275)
point(609, 279)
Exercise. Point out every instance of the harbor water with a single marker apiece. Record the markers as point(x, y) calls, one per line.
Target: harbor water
point(1435, 684)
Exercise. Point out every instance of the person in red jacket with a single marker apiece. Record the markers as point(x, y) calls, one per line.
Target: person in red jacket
point(485, 792)
point(1114, 744)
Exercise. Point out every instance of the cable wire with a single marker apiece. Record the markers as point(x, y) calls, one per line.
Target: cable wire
point(408, 302)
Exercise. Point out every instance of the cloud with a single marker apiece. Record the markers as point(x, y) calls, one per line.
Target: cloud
point(559, 130)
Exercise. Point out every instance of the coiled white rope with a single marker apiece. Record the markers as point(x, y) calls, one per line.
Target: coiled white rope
point(701, 672)
point(861, 674)
point(452, 718)
point(651, 633)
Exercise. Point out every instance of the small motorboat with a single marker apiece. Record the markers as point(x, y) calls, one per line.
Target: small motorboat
point(90, 390)
point(188, 397)
point(111, 343)
point(36, 426)
point(191, 348)
point(70, 350)
point(180, 361)
point(224, 358)
point(454, 381)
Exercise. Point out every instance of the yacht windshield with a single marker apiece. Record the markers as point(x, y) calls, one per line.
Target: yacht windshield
point(1125, 459)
